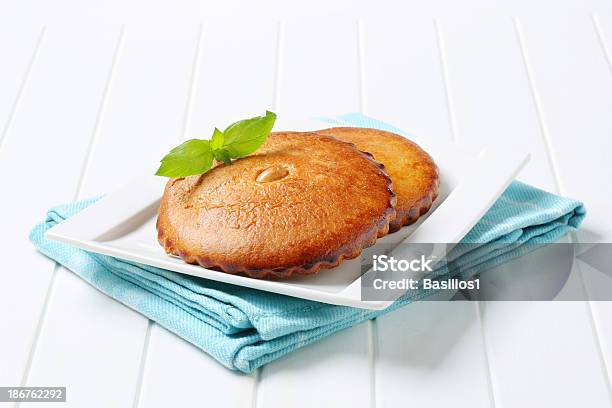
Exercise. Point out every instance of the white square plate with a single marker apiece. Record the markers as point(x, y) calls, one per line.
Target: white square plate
point(122, 224)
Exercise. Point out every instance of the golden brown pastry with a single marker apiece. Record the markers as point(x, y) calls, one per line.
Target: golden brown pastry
point(302, 202)
point(412, 170)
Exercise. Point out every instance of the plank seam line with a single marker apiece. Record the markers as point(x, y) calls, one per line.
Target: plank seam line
point(280, 42)
point(142, 365)
point(445, 80)
point(56, 266)
point(24, 82)
point(560, 189)
point(372, 328)
point(37, 331)
point(193, 80)
point(485, 342)
point(257, 375)
point(454, 137)
point(361, 66)
point(372, 354)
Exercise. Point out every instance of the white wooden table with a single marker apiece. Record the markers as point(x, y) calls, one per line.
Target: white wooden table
point(85, 106)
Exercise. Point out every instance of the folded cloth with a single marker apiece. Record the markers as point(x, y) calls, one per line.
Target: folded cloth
point(245, 328)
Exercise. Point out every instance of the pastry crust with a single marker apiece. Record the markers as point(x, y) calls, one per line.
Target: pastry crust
point(323, 201)
point(415, 175)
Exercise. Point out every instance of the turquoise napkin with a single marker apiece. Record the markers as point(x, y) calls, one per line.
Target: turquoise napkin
point(245, 328)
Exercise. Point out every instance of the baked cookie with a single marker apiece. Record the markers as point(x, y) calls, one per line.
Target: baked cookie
point(413, 172)
point(302, 202)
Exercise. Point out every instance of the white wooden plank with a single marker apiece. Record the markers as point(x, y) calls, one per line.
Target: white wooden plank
point(235, 78)
point(493, 103)
point(432, 346)
point(319, 74)
point(576, 102)
point(40, 164)
point(84, 331)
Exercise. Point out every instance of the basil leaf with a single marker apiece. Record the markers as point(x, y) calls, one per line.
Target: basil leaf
point(246, 136)
point(216, 141)
point(190, 158)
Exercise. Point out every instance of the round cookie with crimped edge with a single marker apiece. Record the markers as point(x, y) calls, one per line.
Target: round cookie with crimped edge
point(413, 172)
point(300, 203)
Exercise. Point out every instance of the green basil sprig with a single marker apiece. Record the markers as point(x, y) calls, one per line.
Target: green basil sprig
point(239, 139)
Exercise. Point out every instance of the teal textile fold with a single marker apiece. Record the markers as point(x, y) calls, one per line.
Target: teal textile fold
point(246, 328)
